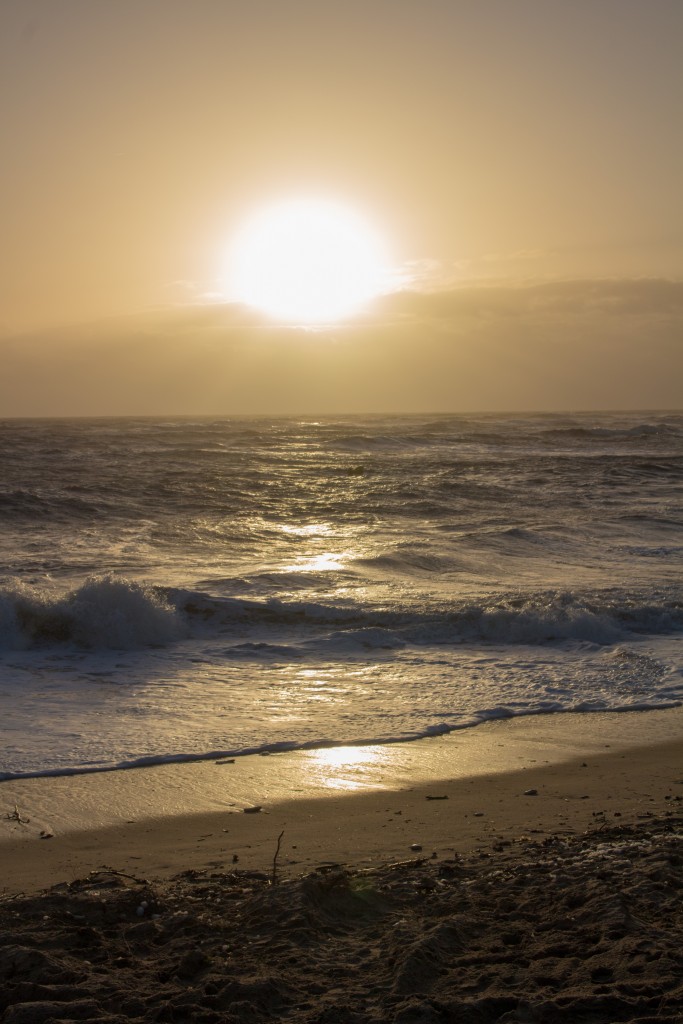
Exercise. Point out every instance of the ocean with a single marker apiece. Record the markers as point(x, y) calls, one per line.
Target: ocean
point(180, 589)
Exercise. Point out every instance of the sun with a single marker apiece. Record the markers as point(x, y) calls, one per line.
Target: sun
point(307, 261)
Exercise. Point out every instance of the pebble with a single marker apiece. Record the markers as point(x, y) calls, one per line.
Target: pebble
point(530, 792)
point(415, 847)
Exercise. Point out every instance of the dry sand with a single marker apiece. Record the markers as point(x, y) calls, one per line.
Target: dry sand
point(539, 880)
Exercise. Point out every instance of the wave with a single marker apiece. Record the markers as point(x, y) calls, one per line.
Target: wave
point(636, 430)
point(506, 619)
point(662, 551)
point(103, 613)
point(408, 562)
point(275, 652)
point(25, 504)
point(116, 613)
point(471, 720)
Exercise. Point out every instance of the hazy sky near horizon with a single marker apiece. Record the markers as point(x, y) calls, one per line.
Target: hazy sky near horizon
point(507, 150)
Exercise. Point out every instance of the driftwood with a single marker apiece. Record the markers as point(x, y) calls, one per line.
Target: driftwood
point(15, 816)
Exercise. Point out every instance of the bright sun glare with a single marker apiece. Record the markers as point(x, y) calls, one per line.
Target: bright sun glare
point(307, 261)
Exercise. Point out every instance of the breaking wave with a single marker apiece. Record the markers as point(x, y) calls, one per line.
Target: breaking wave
point(509, 619)
point(115, 613)
point(104, 613)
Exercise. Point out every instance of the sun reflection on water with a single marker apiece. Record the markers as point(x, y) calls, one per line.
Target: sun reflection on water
point(309, 530)
point(347, 768)
point(318, 563)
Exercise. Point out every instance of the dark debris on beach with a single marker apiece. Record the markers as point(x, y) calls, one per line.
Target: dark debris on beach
point(573, 930)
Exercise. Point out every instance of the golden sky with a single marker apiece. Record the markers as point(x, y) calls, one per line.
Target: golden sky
point(522, 158)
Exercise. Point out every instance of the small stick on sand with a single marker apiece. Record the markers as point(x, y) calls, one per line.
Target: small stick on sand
point(273, 880)
point(15, 816)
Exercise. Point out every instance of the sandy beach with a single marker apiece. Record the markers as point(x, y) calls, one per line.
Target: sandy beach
point(536, 880)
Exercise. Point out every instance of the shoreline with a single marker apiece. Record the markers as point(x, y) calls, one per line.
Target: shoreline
point(449, 795)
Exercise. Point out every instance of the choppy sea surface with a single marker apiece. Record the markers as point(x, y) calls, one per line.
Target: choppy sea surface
point(180, 589)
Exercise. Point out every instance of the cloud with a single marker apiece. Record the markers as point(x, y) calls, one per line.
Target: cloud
point(627, 297)
point(434, 275)
point(598, 344)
